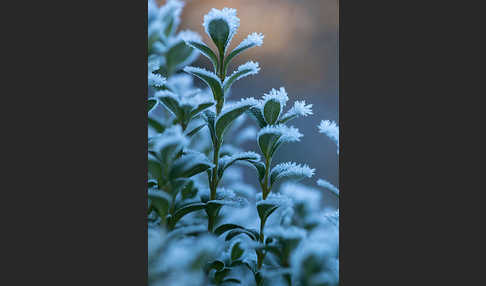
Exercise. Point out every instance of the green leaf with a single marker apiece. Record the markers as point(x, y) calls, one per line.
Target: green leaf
point(271, 111)
point(225, 227)
point(213, 207)
point(177, 55)
point(217, 264)
point(236, 232)
point(151, 103)
point(154, 168)
point(200, 108)
point(240, 73)
point(267, 143)
point(227, 161)
point(210, 117)
point(168, 100)
point(256, 113)
point(242, 263)
point(189, 165)
point(290, 170)
point(219, 31)
point(227, 117)
point(195, 130)
point(252, 40)
point(221, 274)
point(265, 209)
point(210, 79)
point(236, 251)
point(189, 190)
point(186, 210)
point(156, 124)
point(232, 280)
point(160, 201)
point(205, 50)
point(151, 183)
point(260, 167)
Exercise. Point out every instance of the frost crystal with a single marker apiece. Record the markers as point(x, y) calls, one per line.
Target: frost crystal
point(301, 109)
point(172, 8)
point(279, 95)
point(156, 80)
point(330, 129)
point(205, 72)
point(252, 66)
point(329, 186)
point(226, 14)
point(229, 198)
point(186, 35)
point(252, 39)
point(244, 101)
point(288, 134)
point(292, 168)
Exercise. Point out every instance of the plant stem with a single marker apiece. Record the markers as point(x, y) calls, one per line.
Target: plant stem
point(214, 179)
point(266, 188)
point(265, 192)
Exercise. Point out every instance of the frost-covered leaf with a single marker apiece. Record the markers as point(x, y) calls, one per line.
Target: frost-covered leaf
point(271, 111)
point(273, 104)
point(170, 16)
point(213, 207)
point(272, 136)
point(257, 113)
point(151, 103)
point(290, 170)
point(225, 227)
point(325, 184)
point(201, 107)
point(156, 124)
point(254, 39)
point(171, 102)
point(230, 113)
point(168, 145)
point(231, 280)
point(217, 264)
point(154, 168)
point(260, 168)
point(189, 165)
point(299, 109)
point(220, 275)
point(195, 130)
point(210, 118)
point(238, 231)
point(221, 26)
point(203, 49)
point(160, 201)
point(211, 79)
point(227, 161)
point(265, 209)
point(189, 190)
point(236, 251)
point(331, 129)
point(179, 54)
point(249, 68)
point(179, 213)
point(156, 80)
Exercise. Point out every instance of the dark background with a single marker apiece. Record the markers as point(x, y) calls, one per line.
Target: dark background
point(74, 176)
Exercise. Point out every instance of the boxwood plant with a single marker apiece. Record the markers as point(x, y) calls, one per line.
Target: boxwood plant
point(206, 225)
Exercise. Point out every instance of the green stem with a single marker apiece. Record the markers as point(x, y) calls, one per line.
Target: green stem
point(265, 192)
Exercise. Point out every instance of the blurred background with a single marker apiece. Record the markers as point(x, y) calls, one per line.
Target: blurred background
point(299, 52)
